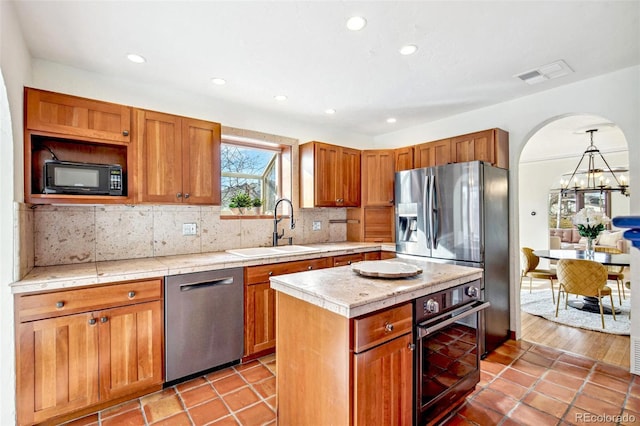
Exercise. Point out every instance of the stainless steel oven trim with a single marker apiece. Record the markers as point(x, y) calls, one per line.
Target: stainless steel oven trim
point(425, 328)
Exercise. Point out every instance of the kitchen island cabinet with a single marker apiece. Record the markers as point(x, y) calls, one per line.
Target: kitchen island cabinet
point(350, 339)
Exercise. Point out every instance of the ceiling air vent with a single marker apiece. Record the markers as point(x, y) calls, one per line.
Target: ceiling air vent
point(545, 72)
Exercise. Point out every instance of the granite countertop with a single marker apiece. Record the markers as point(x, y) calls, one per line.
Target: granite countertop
point(45, 278)
point(345, 292)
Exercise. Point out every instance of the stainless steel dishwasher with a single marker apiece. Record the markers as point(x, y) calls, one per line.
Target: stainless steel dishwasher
point(204, 315)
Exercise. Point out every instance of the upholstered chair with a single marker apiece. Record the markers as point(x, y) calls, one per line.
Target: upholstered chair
point(585, 278)
point(529, 269)
point(615, 273)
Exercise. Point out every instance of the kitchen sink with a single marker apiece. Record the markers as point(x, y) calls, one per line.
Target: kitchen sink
point(272, 251)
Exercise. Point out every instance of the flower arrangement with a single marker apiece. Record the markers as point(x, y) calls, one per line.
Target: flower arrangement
point(590, 222)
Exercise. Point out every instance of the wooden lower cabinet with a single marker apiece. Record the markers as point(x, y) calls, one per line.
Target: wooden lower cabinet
point(360, 370)
point(260, 307)
point(68, 363)
point(383, 384)
point(260, 317)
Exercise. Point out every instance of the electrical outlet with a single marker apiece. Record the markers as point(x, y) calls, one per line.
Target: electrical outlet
point(317, 225)
point(189, 229)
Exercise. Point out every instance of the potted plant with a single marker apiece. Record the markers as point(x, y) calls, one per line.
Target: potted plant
point(242, 200)
point(257, 205)
point(234, 207)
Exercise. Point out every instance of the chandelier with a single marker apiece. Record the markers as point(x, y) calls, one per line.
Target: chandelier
point(595, 178)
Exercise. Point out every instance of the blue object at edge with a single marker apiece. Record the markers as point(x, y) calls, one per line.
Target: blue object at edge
point(632, 222)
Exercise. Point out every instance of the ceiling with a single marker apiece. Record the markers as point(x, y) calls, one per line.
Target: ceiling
point(468, 51)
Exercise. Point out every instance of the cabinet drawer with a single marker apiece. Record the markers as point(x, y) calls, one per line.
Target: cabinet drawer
point(347, 259)
point(382, 326)
point(59, 303)
point(260, 274)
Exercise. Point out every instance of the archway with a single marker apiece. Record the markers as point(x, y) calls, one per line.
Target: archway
point(554, 148)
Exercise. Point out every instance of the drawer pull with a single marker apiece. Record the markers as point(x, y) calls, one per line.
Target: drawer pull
point(104, 319)
point(270, 273)
point(348, 262)
point(125, 133)
point(60, 305)
point(132, 294)
point(388, 327)
point(310, 267)
point(92, 321)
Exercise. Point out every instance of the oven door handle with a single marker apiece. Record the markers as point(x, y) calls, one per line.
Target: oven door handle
point(425, 328)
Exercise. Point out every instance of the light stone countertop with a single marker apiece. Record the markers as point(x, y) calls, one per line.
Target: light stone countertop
point(343, 291)
point(46, 278)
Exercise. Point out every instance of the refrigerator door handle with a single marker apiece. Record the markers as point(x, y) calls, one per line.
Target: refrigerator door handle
point(426, 203)
point(433, 213)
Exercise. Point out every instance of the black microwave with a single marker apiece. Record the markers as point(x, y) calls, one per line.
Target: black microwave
point(66, 177)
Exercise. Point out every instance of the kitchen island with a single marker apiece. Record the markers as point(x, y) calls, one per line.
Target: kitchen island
point(345, 343)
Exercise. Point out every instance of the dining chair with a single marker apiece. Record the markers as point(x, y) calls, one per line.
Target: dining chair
point(529, 269)
point(585, 278)
point(615, 273)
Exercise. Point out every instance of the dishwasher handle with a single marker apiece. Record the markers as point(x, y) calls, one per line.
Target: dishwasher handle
point(206, 284)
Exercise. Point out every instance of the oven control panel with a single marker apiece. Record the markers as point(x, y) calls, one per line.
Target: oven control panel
point(433, 304)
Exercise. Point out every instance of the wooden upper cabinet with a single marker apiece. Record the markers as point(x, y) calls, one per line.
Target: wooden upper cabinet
point(201, 161)
point(178, 160)
point(74, 116)
point(404, 158)
point(377, 177)
point(434, 153)
point(490, 145)
point(329, 175)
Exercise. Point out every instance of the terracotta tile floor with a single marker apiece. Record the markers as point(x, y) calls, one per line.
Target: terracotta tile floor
point(526, 384)
point(521, 384)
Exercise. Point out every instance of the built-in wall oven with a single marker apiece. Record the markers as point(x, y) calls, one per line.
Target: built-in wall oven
point(448, 334)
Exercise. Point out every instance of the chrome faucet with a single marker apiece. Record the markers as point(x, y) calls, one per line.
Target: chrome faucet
point(292, 223)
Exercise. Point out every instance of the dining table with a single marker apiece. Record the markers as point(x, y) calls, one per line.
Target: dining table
point(588, 304)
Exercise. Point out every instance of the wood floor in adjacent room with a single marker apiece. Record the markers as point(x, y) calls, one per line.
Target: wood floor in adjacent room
point(609, 348)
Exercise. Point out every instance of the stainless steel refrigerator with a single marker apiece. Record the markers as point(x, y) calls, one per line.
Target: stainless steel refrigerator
point(459, 213)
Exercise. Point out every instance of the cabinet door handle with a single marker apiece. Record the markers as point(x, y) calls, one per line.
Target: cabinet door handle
point(411, 346)
point(179, 195)
point(60, 304)
point(388, 327)
point(125, 133)
point(186, 195)
point(132, 294)
point(390, 201)
point(104, 319)
point(92, 321)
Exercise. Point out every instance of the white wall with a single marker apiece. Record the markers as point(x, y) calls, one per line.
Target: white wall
point(14, 72)
point(60, 78)
point(614, 96)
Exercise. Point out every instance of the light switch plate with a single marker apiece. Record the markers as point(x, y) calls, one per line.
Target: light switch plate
point(317, 225)
point(189, 229)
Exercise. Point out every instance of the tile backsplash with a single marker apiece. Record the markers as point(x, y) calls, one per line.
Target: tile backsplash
point(59, 235)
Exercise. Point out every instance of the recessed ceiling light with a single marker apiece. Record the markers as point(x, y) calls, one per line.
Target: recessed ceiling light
point(409, 49)
point(391, 120)
point(356, 23)
point(330, 111)
point(218, 81)
point(136, 58)
point(280, 98)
